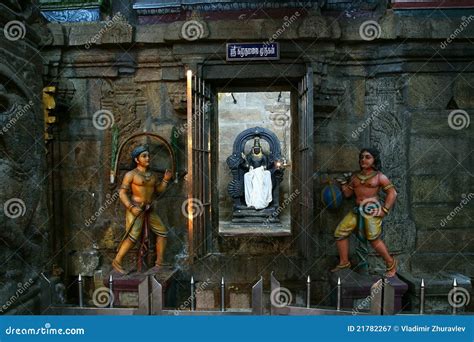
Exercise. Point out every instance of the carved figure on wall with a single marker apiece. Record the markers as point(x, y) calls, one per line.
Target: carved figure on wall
point(142, 184)
point(367, 215)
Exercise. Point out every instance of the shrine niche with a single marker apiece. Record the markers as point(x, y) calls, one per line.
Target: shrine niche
point(254, 163)
point(257, 175)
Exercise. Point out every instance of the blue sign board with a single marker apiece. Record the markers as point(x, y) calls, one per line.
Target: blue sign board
point(252, 51)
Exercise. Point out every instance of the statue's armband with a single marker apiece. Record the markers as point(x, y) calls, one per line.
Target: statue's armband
point(388, 186)
point(125, 186)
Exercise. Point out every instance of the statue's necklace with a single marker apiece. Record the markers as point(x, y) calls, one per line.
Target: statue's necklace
point(365, 178)
point(147, 175)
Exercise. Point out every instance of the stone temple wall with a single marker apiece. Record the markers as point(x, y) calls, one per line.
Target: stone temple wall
point(399, 88)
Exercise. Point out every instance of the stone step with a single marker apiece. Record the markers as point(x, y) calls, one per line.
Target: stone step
point(251, 214)
point(261, 220)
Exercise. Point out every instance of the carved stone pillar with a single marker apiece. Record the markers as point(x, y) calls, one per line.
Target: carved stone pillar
point(388, 132)
point(24, 220)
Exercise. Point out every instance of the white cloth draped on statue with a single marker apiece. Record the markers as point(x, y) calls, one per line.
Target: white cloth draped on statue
point(258, 187)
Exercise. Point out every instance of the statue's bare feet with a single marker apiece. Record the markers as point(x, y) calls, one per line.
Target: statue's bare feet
point(118, 267)
point(163, 264)
point(391, 269)
point(341, 267)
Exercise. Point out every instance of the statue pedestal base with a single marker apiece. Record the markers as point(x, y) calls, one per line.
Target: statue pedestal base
point(355, 290)
point(255, 229)
point(251, 215)
point(125, 287)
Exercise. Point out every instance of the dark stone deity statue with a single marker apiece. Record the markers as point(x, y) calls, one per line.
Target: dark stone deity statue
point(256, 177)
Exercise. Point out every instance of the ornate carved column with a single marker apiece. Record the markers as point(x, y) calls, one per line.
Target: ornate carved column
point(24, 219)
point(388, 132)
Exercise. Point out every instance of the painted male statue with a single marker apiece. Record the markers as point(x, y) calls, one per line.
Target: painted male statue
point(258, 180)
point(365, 186)
point(143, 184)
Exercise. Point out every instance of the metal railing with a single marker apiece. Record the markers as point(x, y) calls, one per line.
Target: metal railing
point(293, 310)
point(382, 300)
point(150, 302)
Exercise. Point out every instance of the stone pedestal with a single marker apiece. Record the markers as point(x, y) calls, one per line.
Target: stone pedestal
point(437, 289)
point(125, 287)
point(355, 290)
point(248, 215)
point(240, 229)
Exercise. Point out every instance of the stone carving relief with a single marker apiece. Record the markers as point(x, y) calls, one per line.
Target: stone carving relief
point(127, 102)
point(177, 96)
point(388, 131)
point(24, 218)
point(117, 30)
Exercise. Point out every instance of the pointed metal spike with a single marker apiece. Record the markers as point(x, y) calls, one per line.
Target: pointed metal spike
point(192, 280)
point(81, 295)
point(111, 278)
point(308, 280)
point(222, 281)
point(455, 282)
point(339, 289)
point(422, 297)
point(45, 278)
